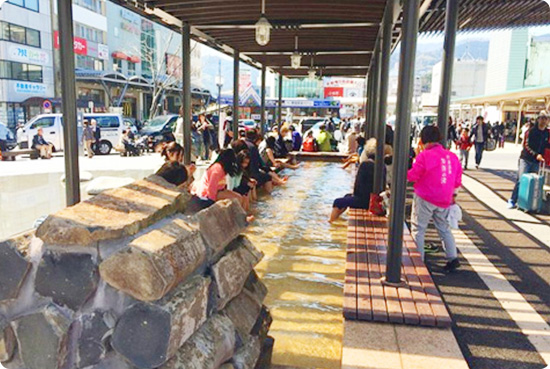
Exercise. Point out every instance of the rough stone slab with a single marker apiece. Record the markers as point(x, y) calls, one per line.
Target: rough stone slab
point(156, 262)
point(209, 348)
point(267, 353)
point(147, 335)
point(113, 214)
point(243, 311)
point(42, 337)
point(221, 223)
point(91, 346)
point(232, 270)
point(263, 323)
point(247, 356)
point(7, 340)
point(256, 286)
point(68, 278)
point(14, 267)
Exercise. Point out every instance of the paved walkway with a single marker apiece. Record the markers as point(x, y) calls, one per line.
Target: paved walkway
point(500, 299)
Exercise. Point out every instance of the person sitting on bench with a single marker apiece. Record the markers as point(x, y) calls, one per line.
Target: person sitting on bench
point(40, 144)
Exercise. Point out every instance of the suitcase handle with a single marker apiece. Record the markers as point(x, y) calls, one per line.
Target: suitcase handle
point(541, 168)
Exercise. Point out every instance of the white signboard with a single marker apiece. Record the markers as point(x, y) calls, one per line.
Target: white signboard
point(29, 88)
point(102, 51)
point(28, 55)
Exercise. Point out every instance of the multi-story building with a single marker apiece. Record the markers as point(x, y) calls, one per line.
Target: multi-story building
point(26, 59)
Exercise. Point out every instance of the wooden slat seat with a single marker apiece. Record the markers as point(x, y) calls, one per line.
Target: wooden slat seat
point(367, 298)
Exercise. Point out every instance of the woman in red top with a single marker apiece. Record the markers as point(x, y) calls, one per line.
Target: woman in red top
point(212, 185)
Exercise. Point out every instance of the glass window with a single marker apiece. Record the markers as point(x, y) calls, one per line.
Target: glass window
point(43, 122)
point(17, 34)
point(106, 121)
point(33, 37)
point(5, 69)
point(35, 73)
point(31, 4)
point(17, 2)
point(19, 71)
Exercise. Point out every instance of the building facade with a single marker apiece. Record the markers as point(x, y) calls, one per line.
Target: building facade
point(26, 59)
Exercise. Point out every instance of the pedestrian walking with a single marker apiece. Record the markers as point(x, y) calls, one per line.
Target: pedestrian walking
point(452, 134)
point(97, 136)
point(502, 132)
point(88, 139)
point(436, 174)
point(480, 134)
point(228, 129)
point(535, 143)
point(463, 144)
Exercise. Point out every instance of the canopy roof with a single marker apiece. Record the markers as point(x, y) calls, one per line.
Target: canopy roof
point(340, 36)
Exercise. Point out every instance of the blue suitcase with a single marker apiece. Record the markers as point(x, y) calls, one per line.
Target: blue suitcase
point(530, 192)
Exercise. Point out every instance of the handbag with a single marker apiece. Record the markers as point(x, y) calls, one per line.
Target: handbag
point(490, 144)
point(376, 205)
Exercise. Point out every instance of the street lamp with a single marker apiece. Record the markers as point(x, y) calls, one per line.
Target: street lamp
point(295, 58)
point(219, 83)
point(263, 28)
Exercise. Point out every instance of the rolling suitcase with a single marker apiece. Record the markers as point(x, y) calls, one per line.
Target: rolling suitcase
point(531, 190)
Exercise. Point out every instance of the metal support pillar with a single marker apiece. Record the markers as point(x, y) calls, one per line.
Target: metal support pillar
point(451, 25)
point(186, 91)
point(368, 113)
point(387, 28)
point(365, 99)
point(236, 61)
point(402, 140)
point(280, 103)
point(376, 92)
point(68, 99)
point(262, 102)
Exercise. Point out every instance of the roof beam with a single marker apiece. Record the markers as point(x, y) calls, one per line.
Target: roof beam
point(311, 52)
point(291, 26)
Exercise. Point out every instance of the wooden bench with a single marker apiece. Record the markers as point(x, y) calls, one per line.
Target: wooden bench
point(367, 298)
point(11, 155)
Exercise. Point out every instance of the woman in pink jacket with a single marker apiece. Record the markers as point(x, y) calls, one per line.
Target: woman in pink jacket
point(436, 175)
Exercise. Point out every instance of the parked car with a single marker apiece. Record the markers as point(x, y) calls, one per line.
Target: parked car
point(160, 129)
point(111, 126)
point(248, 124)
point(307, 123)
point(11, 142)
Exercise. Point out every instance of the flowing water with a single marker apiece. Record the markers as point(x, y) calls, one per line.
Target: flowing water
point(304, 265)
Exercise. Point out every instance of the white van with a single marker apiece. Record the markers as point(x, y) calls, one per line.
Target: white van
point(111, 126)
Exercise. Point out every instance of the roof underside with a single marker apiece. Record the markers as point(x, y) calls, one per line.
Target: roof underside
point(339, 36)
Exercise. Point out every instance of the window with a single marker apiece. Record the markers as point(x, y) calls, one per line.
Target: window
point(131, 69)
point(88, 62)
point(33, 37)
point(34, 73)
point(19, 34)
point(43, 123)
point(20, 71)
point(29, 4)
point(96, 6)
point(105, 121)
point(90, 34)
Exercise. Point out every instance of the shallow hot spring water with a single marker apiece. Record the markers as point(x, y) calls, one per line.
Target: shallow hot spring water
point(304, 264)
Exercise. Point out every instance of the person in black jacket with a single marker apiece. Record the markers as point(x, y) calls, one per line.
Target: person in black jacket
point(480, 133)
point(364, 182)
point(40, 144)
point(257, 168)
point(535, 143)
point(97, 135)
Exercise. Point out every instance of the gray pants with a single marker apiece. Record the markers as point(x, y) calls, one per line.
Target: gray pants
point(422, 212)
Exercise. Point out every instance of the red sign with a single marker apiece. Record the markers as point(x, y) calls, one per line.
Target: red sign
point(334, 92)
point(80, 44)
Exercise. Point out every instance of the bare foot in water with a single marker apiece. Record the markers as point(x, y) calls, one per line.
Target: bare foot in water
point(250, 218)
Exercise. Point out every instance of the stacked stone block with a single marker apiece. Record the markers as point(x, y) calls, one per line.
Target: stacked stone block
point(126, 280)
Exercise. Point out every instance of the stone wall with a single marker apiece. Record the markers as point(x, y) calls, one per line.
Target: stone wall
point(126, 280)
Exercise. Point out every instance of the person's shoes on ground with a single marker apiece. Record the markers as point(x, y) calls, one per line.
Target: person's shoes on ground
point(477, 166)
point(451, 266)
point(511, 204)
point(431, 248)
